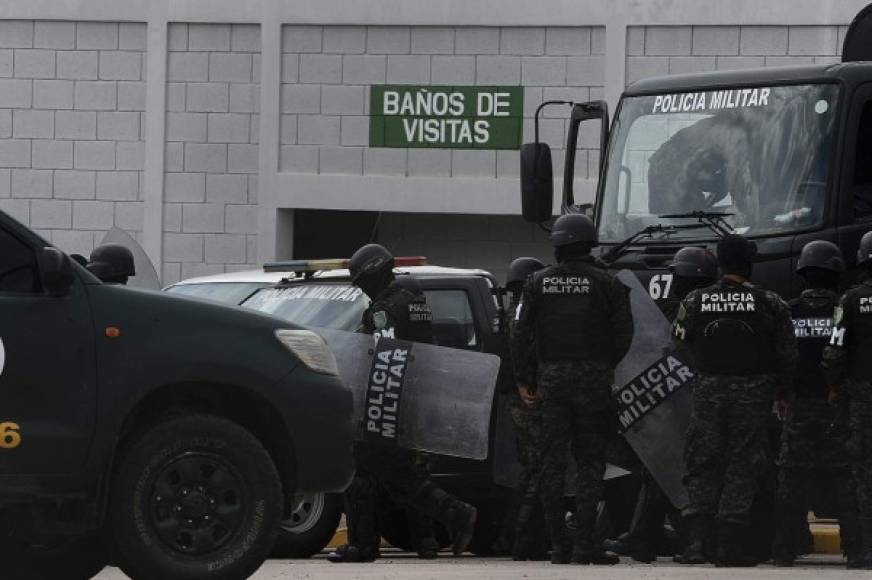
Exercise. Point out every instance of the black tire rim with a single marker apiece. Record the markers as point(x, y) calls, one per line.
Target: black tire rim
point(197, 503)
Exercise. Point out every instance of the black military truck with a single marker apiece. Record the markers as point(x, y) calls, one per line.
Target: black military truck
point(780, 155)
point(161, 433)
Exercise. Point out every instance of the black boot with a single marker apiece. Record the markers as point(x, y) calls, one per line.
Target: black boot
point(561, 553)
point(865, 559)
point(461, 525)
point(349, 554)
point(731, 551)
point(698, 528)
point(587, 553)
point(785, 546)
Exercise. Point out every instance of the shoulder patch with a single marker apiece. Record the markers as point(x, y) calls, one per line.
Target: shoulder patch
point(380, 319)
point(838, 315)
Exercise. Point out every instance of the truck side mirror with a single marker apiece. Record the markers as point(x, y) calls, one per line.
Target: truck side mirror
point(56, 271)
point(537, 182)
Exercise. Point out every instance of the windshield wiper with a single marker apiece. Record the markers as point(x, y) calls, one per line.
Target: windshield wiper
point(716, 221)
point(648, 231)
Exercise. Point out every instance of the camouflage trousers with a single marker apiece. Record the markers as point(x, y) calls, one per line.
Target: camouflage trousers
point(860, 448)
point(527, 421)
point(813, 453)
point(726, 445)
point(576, 411)
point(403, 476)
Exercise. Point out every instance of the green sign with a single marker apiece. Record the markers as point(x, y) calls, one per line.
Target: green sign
point(446, 117)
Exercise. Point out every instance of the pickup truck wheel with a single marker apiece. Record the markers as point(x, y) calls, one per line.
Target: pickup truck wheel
point(310, 528)
point(195, 497)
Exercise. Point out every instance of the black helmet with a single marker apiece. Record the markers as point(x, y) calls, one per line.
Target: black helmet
point(370, 259)
point(864, 252)
point(735, 254)
point(821, 254)
point(693, 262)
point(112, 263)
point(572, 228)
point(520, 268)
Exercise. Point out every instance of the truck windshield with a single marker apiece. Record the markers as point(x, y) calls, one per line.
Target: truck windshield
point(760, 153)
point(338, 306)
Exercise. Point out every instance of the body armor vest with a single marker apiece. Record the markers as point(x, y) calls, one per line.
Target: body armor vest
point(733, 334)
point(860, 333)
point(406, 303)
point(813, 326)
point(572, 308)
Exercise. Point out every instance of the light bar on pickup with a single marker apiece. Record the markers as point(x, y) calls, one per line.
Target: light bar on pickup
point(333, 264)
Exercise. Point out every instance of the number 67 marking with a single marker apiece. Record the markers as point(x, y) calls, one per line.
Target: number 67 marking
point(10, 438)
point(659, 286)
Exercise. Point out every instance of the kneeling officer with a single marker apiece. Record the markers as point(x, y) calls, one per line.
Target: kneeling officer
point(396, 312)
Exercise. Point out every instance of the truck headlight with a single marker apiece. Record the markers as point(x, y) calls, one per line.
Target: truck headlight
point(310, 348)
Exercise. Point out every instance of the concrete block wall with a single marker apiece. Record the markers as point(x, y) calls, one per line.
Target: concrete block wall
point(327, 71)
point(663, 50)
point(211, 156)
point(72, 102)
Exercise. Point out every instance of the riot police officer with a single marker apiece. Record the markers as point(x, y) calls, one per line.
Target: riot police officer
point(810, 448)
point(847, 363)
point(578, 317)
point(692, 267)
point(525, 522)
point(397, 311)
point(112, 264)
point(743, 346)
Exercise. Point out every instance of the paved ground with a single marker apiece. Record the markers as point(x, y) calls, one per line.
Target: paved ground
point(404, 567)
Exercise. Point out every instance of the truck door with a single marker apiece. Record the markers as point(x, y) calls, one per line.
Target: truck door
point(855, 199)
point(47, 365)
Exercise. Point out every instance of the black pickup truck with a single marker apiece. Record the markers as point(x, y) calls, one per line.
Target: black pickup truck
point(163, 434)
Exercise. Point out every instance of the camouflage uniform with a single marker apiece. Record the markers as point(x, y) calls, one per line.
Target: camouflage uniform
point(726, 439)
point(400, 473)
point(846, 363)
point(529, 538)
point(813, 443)
point(574, 393)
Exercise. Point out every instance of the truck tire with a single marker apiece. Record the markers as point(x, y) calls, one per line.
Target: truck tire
point(194, 498)
point(311, 526)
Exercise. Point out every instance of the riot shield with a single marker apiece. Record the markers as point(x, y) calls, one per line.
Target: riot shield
point(654, 403)
point(146, 277)
point(417, 396)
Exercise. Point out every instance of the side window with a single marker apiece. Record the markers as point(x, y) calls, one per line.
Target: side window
point(18, 269)
point(863, 167)
point(453, 322)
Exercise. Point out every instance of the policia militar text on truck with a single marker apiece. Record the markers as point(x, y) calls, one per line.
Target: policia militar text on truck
point(162, 434)
point(782, 156)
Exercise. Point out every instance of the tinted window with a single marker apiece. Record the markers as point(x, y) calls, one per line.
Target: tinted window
point(760, 155)
point(18, 270)
point(863, 167)
point(453, 323)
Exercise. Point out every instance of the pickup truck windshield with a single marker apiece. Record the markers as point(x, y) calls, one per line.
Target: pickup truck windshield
point(337, 306)
point(760, 153)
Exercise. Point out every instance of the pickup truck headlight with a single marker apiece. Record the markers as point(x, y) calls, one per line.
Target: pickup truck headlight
point(310, 348)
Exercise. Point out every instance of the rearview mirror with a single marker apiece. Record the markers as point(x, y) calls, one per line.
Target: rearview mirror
point(56, 271)
point(537, 182)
